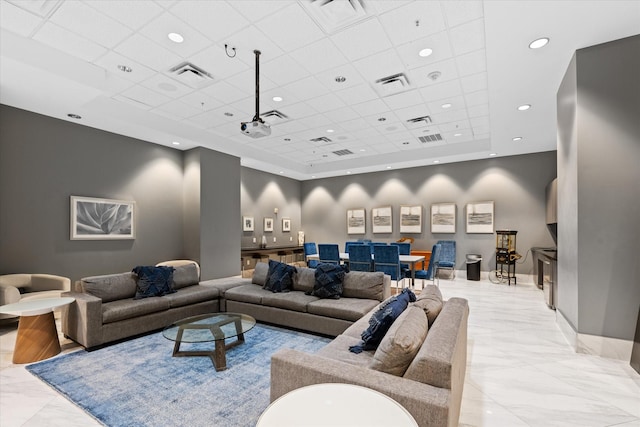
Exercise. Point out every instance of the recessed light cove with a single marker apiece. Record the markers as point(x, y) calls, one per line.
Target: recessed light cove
point(175, 143)
point(517, 138)
point(524, 107)
point(425, 52)
point(447, 105)
point(277, 98)
point(175, 37)
point(493, 154)
point(538, 43)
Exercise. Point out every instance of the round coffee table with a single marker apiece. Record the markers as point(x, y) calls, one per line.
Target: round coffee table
point(37, 337)
point(206, 328)
point(335, 404)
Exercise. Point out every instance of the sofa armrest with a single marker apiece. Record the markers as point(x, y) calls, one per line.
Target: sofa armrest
point(292, 369)
point(82, 319)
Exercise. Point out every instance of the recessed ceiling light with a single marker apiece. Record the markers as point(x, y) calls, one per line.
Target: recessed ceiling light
point(313, 176)
point(362, 150)
point(447, 105)
point(517, 138)
point(388, 167)
point(436, 161)
point(348, 172)
point(330, 130)
point(287, 139)
point(341, 79)
point(405, 143)
point(74, 116)
point(493, 154)
point(167, 86)
point(175, 143)
point(228, 114)
point(434, 75)
point(538, 43)
point(175, 37)
point(277, 98)
point(524, 107)
point(281, 171)
point(457, 134)
point(125, 69)
point(425, 52)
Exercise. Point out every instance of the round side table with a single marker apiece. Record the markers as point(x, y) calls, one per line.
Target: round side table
point(335, 404)
point(37, 337)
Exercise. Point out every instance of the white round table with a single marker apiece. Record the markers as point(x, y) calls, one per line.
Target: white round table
point(335, 404)
point(37, 337)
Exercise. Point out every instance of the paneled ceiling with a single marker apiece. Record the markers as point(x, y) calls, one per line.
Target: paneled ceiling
point(342, 83)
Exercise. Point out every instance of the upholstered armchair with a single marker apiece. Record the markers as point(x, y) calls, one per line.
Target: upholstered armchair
point(20, 287)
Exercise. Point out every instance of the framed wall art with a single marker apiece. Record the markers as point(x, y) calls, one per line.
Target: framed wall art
point(480, 218)
point(268, 224)
point(443, 218)
point(356, 223)
point(411, 219)
point(247, 223)
point(102, 219)
point(381, 220)
point(286, 224)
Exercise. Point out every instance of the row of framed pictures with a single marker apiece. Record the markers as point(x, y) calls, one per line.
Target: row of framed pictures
point(479, 218)
point(248, 224)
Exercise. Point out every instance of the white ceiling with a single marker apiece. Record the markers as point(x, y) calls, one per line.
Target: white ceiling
point(61, 57)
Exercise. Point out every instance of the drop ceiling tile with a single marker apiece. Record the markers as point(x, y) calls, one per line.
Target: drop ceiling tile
point(215, 61)
point(458, 137)
point(467, 37)
point(457, 103)
point(255, 10)
point(389, 117)
point(283, 70)
point(355, 125)
point(342, 114)
point(368, 108)
point(455, 126)
point(472, 63)
point(217, 117)
point(449, 116)
point(145, 96)
point(319, 56)
point(401, 26)
point(166, 86)
point(290, 127)
point(442, 90)
point(426, 130)
point(362, 40)
point(246, 81)
point(299, 110)
point(55, 36)
point(159, 29)
point(200, 101)
point(41, 8)
point(478, 110)
point(247, 108)
point(111, 60)
point(326, 102)
point(474, 82)
point(132, 102)
point(382, 6)
point(477, 98)
point(18, 20)
point(459, 12)
point(306, 88)
point(290, 28)
point(448, 71)
point(88, 22)
point(405, 99)
point(481, 129)
point(214, 19)
point(249, 39)
point(380, 65)
point(176, 110)
point(266, 98)
point(328, 78)
point(133, 14)
point(479, 121)
point(439, 43)
point(226, 93)
point(412, 112)
point(315, 121)
point(148, 53)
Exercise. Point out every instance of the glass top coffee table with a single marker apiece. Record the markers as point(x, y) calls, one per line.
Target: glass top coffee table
point(216, 327)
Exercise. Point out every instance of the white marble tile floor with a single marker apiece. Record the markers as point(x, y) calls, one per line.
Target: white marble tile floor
point(521, 371)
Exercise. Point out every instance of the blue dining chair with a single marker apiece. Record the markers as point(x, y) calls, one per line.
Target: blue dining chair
point(310, 249)
point(347, 244)
point(374, 244)
point(431, 272)
point(447, 259)
point(329, 253)
point(386, 258)
point(405, 249)
point(360, 258)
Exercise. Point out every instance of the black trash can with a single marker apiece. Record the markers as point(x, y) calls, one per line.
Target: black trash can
point(473, 266)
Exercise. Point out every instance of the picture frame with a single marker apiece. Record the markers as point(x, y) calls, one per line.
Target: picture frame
point(268, 224)
point(286, 224)
point(381, 220)
point(356, 221)
point(411, 219)
point(247, 223)
point(102, 219)
point(480, 217)
point(443, 218)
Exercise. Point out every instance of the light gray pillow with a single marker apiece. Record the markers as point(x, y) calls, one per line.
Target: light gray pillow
point(260, 274)
point(110, 287)
point(185, 275)
point(401, 343)
point(362, 284)
point(430, 300)
point(305, 279)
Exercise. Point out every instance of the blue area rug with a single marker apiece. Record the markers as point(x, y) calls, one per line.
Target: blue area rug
point(139, 383)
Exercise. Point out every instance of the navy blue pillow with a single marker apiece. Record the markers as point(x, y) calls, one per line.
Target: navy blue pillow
point(153, 281)
point(329, 278)
point(381, 320)
point(279, 277)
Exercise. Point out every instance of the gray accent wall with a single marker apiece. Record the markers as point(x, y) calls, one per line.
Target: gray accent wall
point(598, 193)
point(516, 185)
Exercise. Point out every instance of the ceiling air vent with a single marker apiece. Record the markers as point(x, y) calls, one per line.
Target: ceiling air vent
point(191, 75)
point(274, 117)
point(321, 139)
point(430, 138)
point(344, 152)
point(335, 15)
point(426, 119)
point(391, 85)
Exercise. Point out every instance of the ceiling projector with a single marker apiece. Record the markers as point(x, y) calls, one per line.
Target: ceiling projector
point(255, 128)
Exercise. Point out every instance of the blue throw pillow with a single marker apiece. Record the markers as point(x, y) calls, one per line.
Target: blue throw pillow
point(279, 277)
point(329, 278)
point(153, 281)
point(381, 320)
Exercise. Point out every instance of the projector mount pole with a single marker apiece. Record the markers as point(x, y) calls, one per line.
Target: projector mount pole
point(257, 116)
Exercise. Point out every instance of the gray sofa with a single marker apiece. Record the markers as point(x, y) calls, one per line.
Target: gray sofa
point(421, 366)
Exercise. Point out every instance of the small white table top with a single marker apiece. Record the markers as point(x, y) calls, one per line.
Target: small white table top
point(335, 404)
point(403, 258)
point(35, 307)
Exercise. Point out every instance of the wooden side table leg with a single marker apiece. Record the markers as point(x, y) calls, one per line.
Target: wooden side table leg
point(37, 339)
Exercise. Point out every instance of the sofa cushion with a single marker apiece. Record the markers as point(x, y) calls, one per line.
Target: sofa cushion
point(192, 295)
point(110, 287)
point(381, 320)
point(247, 293)
point(362, 284)
point(305, 279)
point(129, 308)
point(280, 277)
point(225, 283)
point(338, 349)
point(430, 300)
point(350, 309)
point(401, 343)
point(185, 275)
point(329, 279)
point(296, 301)
point(260, 274)
point(153, 281)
